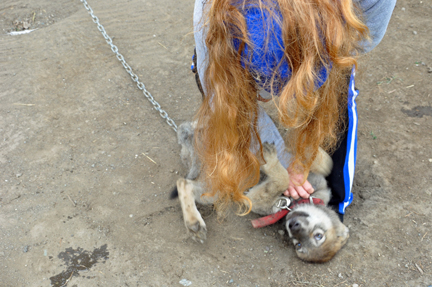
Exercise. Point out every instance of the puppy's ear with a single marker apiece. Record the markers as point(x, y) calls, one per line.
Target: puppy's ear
point(342, 234)
point(333, 244)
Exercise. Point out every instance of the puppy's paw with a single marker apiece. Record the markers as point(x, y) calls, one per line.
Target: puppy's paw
point(197, 229)
point(269, 152)
point(193, 220)
point(181, 186)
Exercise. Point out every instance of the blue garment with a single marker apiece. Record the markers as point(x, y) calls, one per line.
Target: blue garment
point(351, 148)
point(265, 56)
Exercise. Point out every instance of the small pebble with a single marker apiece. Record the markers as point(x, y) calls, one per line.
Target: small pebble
point(340, 275)
point(19, 175)
point(415, 32)
point(185, 282)
point(355, 285)
point(25, 249)
point(281, 232)
point(130, 215)
point(403, 9)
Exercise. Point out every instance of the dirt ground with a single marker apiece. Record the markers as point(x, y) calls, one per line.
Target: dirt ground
point(86, 164)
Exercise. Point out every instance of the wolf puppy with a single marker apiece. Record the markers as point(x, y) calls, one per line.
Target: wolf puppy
point(316, 231)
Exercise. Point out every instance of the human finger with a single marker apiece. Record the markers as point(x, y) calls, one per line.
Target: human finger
point(301, 191)
point(293, 193)
point(308, 187)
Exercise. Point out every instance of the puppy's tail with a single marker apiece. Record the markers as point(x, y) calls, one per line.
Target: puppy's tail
point(174, 193)
point(322, 164)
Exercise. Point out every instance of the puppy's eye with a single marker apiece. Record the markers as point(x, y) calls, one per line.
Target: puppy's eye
point(298, 246)
point(318, 236)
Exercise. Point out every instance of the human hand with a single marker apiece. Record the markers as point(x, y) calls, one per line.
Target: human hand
point(296, 189)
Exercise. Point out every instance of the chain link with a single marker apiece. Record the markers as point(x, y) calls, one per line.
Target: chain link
point(129, 70)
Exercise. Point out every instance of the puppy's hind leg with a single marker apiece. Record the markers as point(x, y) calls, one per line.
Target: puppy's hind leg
point(192, 218)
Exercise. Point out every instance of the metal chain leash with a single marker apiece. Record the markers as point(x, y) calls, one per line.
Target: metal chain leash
point(128, 69)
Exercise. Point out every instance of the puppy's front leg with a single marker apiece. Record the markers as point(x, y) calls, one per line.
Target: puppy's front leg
point(187, 189)
point(275, 182)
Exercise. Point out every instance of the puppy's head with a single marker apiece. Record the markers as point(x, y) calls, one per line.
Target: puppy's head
point(316, 232)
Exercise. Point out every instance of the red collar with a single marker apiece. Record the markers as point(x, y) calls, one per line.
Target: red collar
point(273, 218)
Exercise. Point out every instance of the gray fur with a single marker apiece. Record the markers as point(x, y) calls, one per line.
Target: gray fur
point(185, 138)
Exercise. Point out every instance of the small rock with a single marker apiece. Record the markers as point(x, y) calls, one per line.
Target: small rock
point(281, 232)
point(340, 275)
point(231, 281)
point(355, 285)
point(26, 249)
point(430, 160)
point(429, 70)
point(415, 32)
point(403, 9)
point(185, 282)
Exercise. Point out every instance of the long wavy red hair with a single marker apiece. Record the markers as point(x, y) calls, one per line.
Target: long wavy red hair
point(315, 33)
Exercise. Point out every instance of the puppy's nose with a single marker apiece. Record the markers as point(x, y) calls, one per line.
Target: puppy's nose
point(294, 225)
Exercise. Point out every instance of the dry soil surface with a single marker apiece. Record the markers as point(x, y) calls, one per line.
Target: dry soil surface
point(86, 163)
